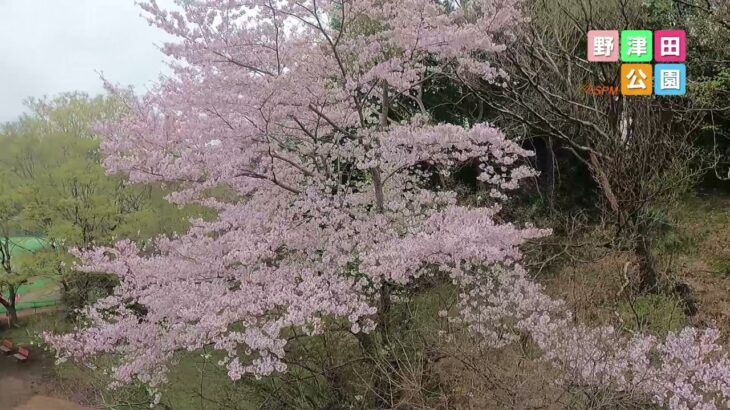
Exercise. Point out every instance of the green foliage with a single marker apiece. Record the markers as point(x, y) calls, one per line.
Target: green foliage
point(708, 33)
point(671, 238)
point(721, 267)
point(655, 313)
point(699, 222)
point(54, 186)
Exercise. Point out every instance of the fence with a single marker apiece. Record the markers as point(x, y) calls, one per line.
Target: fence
point(36, 304)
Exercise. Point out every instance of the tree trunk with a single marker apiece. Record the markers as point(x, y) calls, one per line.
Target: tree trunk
point(376, 348)
point(649, 277)
point(605, 186)
point(9, 305)
point(548, 172)
point(12, 315)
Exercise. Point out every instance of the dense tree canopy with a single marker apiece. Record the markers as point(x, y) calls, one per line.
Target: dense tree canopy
point(310, 115)
point(55, 188)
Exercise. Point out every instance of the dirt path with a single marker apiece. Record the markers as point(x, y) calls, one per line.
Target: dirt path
point(29, 312)
point(47, 403)
point(23, 386)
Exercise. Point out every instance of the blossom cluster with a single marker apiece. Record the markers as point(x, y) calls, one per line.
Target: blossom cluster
point(309, 116)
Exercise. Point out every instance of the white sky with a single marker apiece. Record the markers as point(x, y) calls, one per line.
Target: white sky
point(52, 46)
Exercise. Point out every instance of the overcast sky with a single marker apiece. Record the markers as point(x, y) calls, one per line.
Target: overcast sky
point(52, 46)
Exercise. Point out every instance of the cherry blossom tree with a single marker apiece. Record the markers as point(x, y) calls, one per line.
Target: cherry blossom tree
point(310, 112)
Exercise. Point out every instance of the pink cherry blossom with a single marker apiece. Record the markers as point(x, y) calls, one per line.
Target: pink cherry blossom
point(291, 106)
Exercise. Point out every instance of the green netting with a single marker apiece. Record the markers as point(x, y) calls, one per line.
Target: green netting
point(18, 246)
point(36, 304)
point(21, 244)
point(36, 284)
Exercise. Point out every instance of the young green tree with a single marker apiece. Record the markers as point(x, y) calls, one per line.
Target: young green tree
point(10, 210)
point(62, 193)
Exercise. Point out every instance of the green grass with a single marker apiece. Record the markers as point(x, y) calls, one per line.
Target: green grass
point(721, 266)
point(30, 327)
point(657, 314)
point(697, 219)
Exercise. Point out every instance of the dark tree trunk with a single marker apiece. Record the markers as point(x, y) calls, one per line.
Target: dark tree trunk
point(649, 277)
point(548, 173)
point(9, 305)
point(376, 348)
point(690, 302)
point(12, 315)
point(544, 161)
